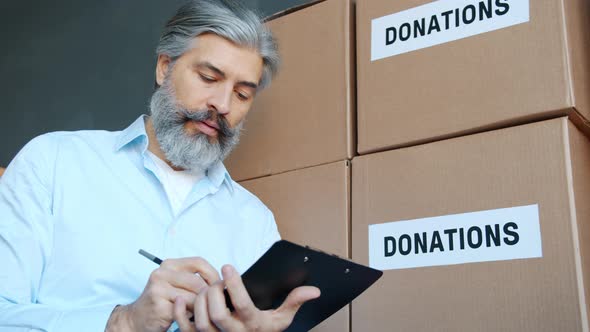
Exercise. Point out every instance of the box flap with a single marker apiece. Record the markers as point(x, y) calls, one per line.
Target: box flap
point(291, 10)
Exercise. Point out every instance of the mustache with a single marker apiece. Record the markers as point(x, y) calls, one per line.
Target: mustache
point(207, 114)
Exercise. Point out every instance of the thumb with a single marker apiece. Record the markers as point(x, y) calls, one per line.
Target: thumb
point(296, 298)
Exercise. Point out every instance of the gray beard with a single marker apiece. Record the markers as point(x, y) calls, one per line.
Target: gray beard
point(189, 152)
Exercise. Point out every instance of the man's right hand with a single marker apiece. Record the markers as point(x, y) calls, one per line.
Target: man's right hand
point(154, 309)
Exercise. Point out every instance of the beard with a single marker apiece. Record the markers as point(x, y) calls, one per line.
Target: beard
point(194, 152)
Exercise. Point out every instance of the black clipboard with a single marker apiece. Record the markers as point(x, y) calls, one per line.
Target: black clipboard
point(287, 265)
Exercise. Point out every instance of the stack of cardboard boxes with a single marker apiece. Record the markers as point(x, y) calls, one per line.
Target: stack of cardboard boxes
point(481, 220)
point(299, 139)
point(470, 185)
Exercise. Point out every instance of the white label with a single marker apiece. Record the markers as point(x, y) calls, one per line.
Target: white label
point(442, 21)
point(482, 236)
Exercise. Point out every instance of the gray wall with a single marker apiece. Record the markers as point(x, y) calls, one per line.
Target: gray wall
point(70, 64)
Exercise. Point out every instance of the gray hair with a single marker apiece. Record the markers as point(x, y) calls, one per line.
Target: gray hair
point(226, 18)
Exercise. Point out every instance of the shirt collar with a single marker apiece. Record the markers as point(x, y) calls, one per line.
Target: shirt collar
point(217, 173)
point(134, 131)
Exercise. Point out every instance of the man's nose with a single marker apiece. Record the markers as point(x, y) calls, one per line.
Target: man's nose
point(220, 99)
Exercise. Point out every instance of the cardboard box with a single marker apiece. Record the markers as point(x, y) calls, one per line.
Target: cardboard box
point(508, 62)
point(312, 207)
point(534, 278)
point(306, 117)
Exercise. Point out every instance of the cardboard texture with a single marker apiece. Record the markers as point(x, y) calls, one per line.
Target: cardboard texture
point(312, 207)
point(545, 163)
point(522, 73)
point(306, 116)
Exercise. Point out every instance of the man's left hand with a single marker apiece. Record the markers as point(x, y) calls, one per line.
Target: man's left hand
point(211, 313)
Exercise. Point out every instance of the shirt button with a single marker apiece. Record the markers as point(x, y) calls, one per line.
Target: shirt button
point(172, 231)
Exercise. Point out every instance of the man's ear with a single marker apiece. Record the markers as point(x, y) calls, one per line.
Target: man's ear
point(162, 68)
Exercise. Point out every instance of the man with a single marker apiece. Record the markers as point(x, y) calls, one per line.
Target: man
point(1, 171)
point(75, 207)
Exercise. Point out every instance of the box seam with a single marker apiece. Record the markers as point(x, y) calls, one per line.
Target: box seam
point(350, 72)
point(567, 56)
point(574, 224)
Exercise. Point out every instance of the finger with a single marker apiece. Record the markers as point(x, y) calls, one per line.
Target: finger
point(294, 301)
point(185, 280)
point(180, 316)
point(193, 265)
point(240, 299)
point(202, 321)
point(179, 279)
point(218, 311)
point(171, 294)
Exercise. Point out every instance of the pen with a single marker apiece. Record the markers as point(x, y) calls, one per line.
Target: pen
point(150, 256)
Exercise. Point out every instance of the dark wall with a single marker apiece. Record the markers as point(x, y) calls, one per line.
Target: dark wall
point(69, 65)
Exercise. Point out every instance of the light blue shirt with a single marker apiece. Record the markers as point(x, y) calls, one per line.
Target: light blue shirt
point(75, 208)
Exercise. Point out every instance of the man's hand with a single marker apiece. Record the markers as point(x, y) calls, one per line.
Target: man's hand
point(154, 309)
point(212, 314)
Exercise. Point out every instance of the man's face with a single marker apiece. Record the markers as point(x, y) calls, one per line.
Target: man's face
point(204, 97)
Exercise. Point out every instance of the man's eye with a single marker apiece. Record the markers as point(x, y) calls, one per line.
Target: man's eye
point(242, 96)
point(207, 79)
